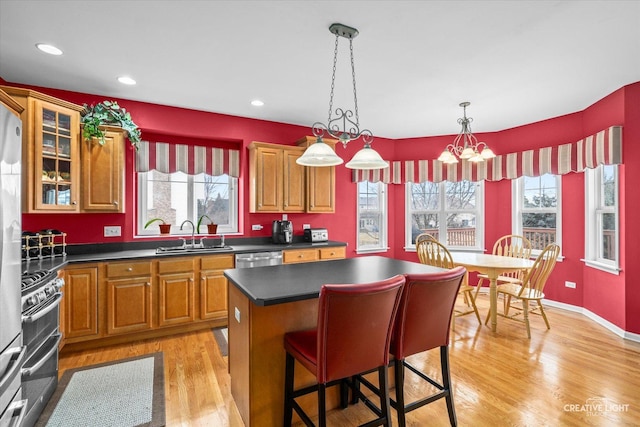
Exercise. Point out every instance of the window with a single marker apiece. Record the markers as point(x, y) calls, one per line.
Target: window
point(601, 218)
point(537, 210)
point(372, 217)
point(450, 211)
point(178, 197)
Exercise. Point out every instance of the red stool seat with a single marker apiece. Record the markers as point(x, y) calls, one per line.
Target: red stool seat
point(353, 336)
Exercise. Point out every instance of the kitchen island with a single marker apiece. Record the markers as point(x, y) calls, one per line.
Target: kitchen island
point(267, 302)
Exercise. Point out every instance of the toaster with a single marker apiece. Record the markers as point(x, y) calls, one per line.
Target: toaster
point(316, 235)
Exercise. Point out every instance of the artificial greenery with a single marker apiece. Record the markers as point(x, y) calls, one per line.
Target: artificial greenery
point(152, 220)
point(200, 222)
point(108, 113)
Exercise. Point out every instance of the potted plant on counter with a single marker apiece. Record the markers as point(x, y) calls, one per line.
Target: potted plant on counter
point(164, 227)
point(212, 228)
point(108, 113)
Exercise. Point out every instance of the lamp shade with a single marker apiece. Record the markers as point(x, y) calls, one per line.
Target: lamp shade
point(319, 154)
point(367, 158)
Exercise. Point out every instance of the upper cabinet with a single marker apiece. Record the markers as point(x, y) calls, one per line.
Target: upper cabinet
point(320, 182)
point(103, 172)
point(61, 172)
point(50, 152)
point(278, 184)
point(277, 181)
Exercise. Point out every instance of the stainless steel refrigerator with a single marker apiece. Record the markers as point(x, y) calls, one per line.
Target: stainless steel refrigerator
point(12, 352)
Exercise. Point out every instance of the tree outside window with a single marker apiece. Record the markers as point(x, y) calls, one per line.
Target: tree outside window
point(448, 211)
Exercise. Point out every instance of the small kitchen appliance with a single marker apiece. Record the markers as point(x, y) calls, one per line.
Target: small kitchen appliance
point(315, 235)
point(282, 232)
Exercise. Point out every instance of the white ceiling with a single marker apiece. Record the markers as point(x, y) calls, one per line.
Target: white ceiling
point(517, 62)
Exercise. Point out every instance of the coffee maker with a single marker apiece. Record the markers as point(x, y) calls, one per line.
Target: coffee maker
point(282, 232)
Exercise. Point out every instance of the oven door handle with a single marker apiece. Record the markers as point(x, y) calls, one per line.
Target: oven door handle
point(21, 406)
point(39, 314)
point(26, 372)
point(20, 353)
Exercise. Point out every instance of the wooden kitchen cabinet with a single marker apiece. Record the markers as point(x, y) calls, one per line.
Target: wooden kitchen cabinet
point(293, 256)
point(50, 154)
point(320, 182)
point(129, 297)
point(176, 282)
point(103, 172)
point(277, 182)
point(213, 285)
point(80, 305)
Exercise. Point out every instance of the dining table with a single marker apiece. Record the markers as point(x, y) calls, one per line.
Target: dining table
point(493, 266)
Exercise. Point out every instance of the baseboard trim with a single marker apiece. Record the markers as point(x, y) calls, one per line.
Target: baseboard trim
point(591, 315)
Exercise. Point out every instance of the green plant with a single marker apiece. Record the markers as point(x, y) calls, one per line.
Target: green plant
point(108, 113)
point(200, 222)
point(152, 220)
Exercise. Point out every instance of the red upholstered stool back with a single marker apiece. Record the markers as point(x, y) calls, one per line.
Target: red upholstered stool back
point(425, 311)
point(355, 326)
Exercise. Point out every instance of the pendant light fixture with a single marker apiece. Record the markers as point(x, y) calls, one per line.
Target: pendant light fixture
point(345, 126)
point(466, 145)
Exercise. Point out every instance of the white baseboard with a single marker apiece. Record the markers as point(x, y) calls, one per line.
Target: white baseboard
point(591, 315)
point(599, 320)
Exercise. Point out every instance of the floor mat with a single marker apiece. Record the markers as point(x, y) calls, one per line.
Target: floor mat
point(122, 393)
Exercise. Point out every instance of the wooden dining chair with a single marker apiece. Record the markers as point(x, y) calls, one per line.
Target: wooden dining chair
point(511, 245)
point(530, 289)
point(432, 252)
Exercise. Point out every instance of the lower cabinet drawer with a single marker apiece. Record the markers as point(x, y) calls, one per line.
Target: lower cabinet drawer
point(301, 255)
point(128, 269)
point(333, 253)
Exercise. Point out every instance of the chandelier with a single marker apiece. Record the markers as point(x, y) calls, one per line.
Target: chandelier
point(345, 126)
point(466, 146)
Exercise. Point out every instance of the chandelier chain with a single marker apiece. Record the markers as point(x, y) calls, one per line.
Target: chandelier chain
point(333, 76)
point(353, 75)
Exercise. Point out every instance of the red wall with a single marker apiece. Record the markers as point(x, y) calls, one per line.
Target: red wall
point(601, 293)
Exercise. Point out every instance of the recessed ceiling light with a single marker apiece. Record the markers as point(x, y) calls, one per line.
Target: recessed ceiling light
point(48, 48)
point(126, 80)
point(257, 103)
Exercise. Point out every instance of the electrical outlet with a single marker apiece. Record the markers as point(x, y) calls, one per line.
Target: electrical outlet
point(112, 231)
point(256, 227)
point(571, 285)
point(237, 314)
point(306, 226)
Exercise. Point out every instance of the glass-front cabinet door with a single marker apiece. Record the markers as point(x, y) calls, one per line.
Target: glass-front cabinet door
point(56, 177)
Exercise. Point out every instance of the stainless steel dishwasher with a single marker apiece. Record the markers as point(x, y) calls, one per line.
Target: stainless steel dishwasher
point(258, 259)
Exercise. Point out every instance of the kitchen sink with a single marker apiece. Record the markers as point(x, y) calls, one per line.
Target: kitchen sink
point(186, 249)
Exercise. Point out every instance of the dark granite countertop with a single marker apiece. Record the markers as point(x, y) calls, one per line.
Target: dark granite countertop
point(294, 282)
point(142, 250)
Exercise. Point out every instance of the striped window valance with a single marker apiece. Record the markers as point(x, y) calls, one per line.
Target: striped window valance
point(602, 148)
point(190, 159)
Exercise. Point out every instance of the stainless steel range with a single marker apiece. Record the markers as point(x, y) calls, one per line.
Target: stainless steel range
point(41, 295)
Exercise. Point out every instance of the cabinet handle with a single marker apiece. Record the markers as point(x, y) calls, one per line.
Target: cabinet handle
point(300, 256)
point(130, 269)
point(74, 203)
point(148, 283)
point(115, 203)
point(333, 253)
point(191, 280)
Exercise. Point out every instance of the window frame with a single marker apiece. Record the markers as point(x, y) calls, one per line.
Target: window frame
point(518, 209)
point(382, 190)
point(594, 209)
point(442, 212)
point(141, 206)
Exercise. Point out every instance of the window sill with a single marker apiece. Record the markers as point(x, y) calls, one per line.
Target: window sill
point(371, 251)
point(603, 267)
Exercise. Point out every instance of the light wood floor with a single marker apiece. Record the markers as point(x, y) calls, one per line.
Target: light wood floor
point(499, 379)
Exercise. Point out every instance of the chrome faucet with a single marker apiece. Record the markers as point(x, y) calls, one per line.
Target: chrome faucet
point(193, 232)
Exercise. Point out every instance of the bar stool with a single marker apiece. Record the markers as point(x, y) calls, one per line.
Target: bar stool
point(421, 324)
point(353, 336)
